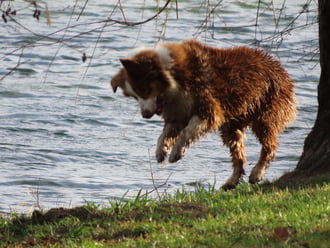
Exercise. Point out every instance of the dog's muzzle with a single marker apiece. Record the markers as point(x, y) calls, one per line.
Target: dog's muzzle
point(152, 106)
point(146, 114)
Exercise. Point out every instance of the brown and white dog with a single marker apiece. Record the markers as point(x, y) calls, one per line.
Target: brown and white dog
point(197, 89)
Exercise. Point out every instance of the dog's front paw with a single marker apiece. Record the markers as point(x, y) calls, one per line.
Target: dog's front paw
point(175, 155)
point(161, 155)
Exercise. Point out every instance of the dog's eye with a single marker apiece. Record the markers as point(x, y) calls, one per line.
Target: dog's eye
point(145, 93)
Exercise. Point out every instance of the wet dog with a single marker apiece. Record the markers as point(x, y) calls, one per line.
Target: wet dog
point(197, 89)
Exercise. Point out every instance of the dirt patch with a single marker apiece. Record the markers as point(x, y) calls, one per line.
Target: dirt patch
point(164, 211)
point(54, 214)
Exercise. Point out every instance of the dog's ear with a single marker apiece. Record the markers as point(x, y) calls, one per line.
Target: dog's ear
point(131, 65)
point(118, 80)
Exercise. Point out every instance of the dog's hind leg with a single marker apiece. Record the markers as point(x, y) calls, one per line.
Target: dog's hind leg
point(233, 136)
point(267, 137)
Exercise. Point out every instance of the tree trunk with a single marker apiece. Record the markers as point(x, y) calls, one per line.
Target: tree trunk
point(316, 154)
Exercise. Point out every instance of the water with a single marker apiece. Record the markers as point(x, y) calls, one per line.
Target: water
point(65, 138)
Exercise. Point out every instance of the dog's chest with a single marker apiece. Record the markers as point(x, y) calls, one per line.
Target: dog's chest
point(177, 107)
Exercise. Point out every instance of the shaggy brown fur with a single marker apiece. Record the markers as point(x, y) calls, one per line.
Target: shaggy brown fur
point(197, 89)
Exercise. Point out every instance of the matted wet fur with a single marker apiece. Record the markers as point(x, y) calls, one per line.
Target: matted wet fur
point(197, 89)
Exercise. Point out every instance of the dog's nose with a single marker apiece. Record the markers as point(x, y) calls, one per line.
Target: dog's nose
point(147, 114)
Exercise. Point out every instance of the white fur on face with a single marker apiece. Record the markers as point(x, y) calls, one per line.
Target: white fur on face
point(148, 106)
point(129, 89)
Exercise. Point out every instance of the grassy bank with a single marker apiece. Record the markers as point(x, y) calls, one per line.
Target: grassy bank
point(267, 215)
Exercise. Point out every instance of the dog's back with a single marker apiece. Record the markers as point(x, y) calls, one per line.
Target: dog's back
point(244, 81)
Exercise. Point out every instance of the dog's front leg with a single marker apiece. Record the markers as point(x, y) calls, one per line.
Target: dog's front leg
point(195, 128)
point(166, 140)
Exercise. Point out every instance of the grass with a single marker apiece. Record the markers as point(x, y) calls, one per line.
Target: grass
point(268, 215)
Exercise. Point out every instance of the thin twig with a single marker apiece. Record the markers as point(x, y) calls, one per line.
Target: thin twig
point(155, 186)
point(15, 67)
point(205, 22)
point(61, 44)
point(122, 10)
point(126, 23)
point(129, 123)
point(152, 175)
point(89, 62)
point(256, 23)
point(82, 10)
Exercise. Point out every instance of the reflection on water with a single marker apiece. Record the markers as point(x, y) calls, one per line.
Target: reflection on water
point(66, 137)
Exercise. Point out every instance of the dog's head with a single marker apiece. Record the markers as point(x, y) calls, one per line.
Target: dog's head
point(143, 77)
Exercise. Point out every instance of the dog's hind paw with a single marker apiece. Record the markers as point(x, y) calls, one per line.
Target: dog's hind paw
point(228, 186)
point(257, 175)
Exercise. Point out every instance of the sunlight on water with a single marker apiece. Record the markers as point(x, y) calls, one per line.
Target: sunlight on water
point(67, 138)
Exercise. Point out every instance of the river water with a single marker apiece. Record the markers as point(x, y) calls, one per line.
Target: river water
point(65, 138)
